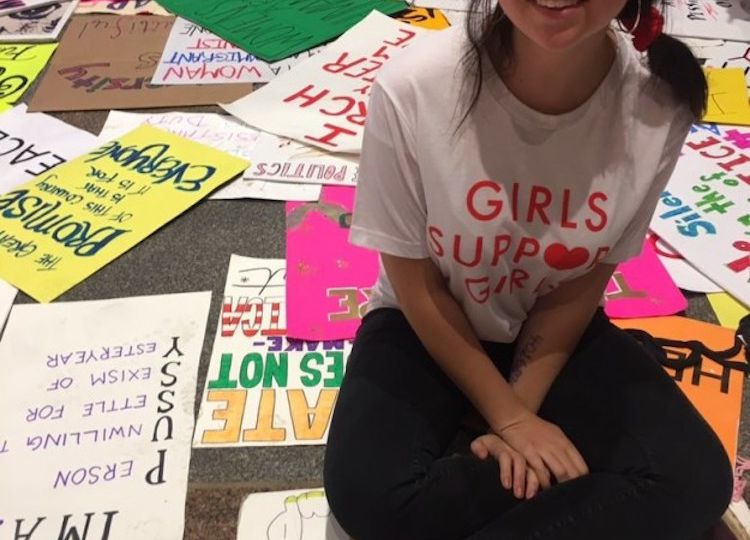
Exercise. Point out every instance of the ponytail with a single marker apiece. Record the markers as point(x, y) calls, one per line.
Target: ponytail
point(670, 60)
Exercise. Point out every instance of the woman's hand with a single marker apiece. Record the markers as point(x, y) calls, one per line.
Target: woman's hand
point(545, 448)
point(514, 472)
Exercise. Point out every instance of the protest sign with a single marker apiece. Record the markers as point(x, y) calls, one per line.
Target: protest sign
point(684, 274)
point(715, 390)
point(273, 30)
point(12, 6)
point(106, 62)
point(221, 132)
point(727, 97)
point(121, 7)
point(302, 514)
point(284, 160)
point(328, 279)
point(728, 310)
point(19, 66)
point(97, 417)
point(641, 287)
point(33, 143)
point(323, 101)
point(263, 388)
point(66, 224)
point(193, 55)
point(703, 211)
point(36, 24)
point(717, 19)
point(247, 188)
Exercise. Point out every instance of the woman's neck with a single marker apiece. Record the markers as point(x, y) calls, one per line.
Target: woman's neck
point(556, 82)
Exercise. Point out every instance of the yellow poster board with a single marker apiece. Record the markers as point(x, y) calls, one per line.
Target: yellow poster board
point(727, 97)
point(20, 64)
point(728, 310)
point(64, 225)
point(714, 390)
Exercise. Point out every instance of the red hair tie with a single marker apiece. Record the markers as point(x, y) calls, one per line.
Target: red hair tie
point(645, 29)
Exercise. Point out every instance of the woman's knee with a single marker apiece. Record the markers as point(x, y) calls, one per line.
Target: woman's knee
point(701, 476)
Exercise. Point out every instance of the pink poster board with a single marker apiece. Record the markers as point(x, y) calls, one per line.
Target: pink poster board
point(641, 287)
point(328, 279)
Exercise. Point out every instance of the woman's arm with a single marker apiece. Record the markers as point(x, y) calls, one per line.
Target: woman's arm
point(551, 332)
point(447, 335)
point(445, 331)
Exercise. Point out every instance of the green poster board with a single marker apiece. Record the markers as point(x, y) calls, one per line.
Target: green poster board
point(274, 29)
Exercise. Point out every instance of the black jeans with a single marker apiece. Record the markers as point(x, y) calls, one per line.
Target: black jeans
point(658, 472)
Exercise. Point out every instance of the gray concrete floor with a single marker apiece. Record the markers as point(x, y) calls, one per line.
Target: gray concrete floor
point(192, 254)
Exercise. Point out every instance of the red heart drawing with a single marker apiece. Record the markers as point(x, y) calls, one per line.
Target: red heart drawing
point(472, 287)
point(561, 258)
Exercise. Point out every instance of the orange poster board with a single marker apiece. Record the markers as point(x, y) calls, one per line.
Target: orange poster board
point(714, 390)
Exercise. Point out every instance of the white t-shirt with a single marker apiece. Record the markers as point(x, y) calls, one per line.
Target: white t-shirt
point(514, 201)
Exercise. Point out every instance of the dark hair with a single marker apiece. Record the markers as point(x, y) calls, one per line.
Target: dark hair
point(669, 59)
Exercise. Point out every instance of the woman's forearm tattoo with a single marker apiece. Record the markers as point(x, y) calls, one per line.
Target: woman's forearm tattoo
point(523, 356)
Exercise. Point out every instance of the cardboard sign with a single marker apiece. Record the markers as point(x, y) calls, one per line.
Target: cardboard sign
point(96, 444)
point(33, 143)
point(272, 30)
point(323, 101)
point(121, 7)
point(69, 222)
point(684, 274)
point(703, 211)
point(728, 310)
point(328, 279)
point(13, 6)
point(451, 5)
point(430, 18)
point(7, 296)
point(106, 62)
point(284, 160)
point(193, 55)
point(717, 19)
point(714, 390)
point(301, 514)
point(262, 388)
point(19, 67)
point(641, 287)
point(37, 24)
point(727, 97)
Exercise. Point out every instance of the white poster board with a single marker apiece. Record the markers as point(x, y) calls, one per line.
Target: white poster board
point(284, 160)
point(684, 274)
point(323, 100)
point(714, 19)
point(33, 143)
point(704, 213)
point(263, 389)
point(193, 55)
point(299, 514)
point(96, 444)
